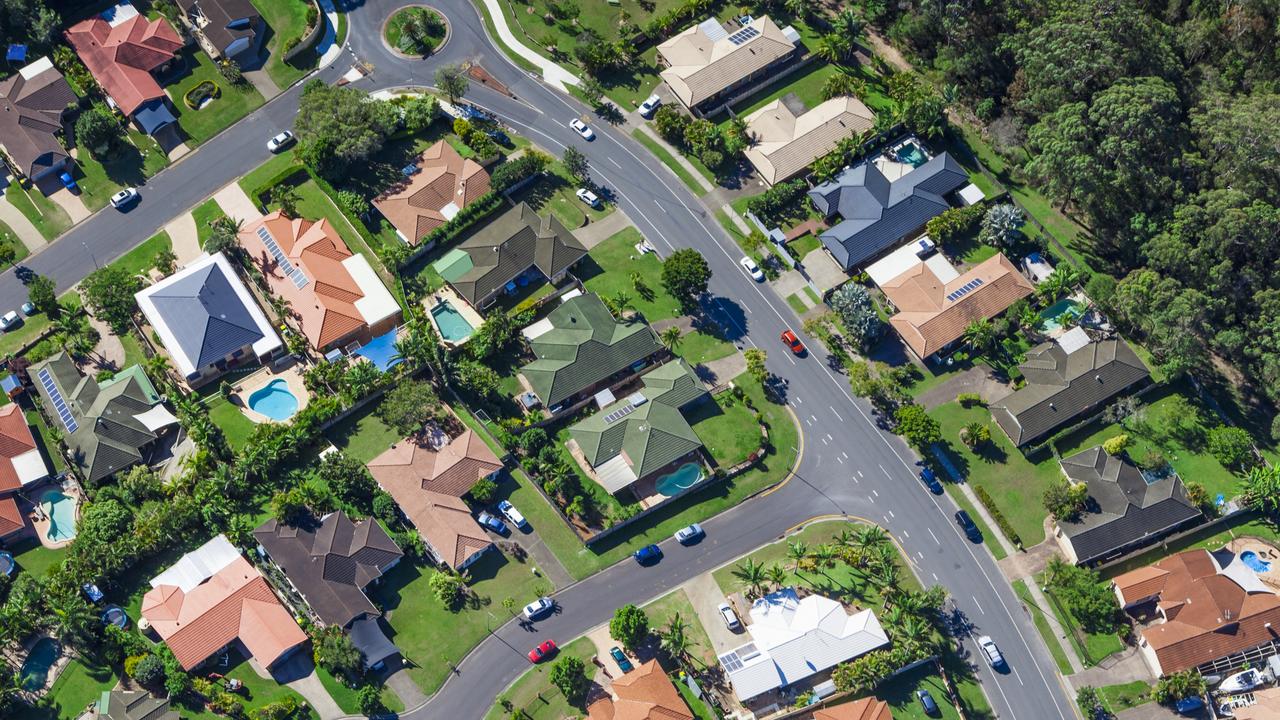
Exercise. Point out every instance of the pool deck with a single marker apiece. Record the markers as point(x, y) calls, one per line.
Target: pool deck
point(290, 372)
point(59, 664)
point(41, 522)
point(468, 313)
point(1080, 303)
point(1266, 552)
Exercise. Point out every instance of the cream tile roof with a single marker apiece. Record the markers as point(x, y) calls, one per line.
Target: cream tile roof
point(700, 66)
point(786, 143)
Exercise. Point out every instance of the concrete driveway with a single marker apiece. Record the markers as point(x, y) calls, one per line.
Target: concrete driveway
point(704, 594)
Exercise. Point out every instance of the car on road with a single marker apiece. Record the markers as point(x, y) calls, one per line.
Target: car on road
point(124, 197)
point(10, 320)
point(492, 522)
point(690, 534)
point(538, 608)
point(649, 105)
point(28, 309)
point(969, 527)
point(510, 512)
point(730, 617)
point(990, 651)
point(624, 664)
point(752, 268)
point(543, 651)
point(582, 129)
point(930, 481)
point(588, 197)
point(793, 342)
point(927, 702)
point(280, 142)
point(648, 555)
point(24, 274)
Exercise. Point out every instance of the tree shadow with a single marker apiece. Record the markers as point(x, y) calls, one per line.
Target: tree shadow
point(729, 316)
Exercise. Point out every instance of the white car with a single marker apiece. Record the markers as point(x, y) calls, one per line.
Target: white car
point(730, 617)
point(10, 320)
point(650, 104)
point(124, 197)
point(512, 514)
point(280, 142)
point(752, 268)
point(990, 651)
point(582, 129)
point(588, 197)
point(538, 608)
point(688, 534)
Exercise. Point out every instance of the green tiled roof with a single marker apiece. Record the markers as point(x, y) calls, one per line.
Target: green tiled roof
point(584, 346)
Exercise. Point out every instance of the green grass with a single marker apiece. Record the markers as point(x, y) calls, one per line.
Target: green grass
point(806, 84)
point(394, 28)
point(628, 88)
point(492, 32)
point(40, 433)
point(79, 685)
point(660, 152)
point(286, 19)
point(726, 428)
point(31, 327)
point(142, 258)
point(813, 295)
point(204, 214)
point(234, 424)
point(900, 693)
point(348, 698)
point(661, 611)
point(362, 435)
point(257, 692)
point(803, 245)
point(35, 558)
point(340, 32)
point(10, 238)
point(698, 346)
point(1128, 695)
point(1095, 647)
point(554, 193)
point(138, 160)
point(700, 709)
point(264, 173)
point(48, 217)
point(607, 271)
point(1046, 632)
point(797, 304)
point(534, 692)
point(235, 102)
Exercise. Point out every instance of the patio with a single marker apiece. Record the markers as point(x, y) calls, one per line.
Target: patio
point(277, 377)
point(40, 520)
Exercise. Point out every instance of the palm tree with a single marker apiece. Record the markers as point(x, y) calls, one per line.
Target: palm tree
point(848, 24)
point(620, 303)
point(71, 619)
point(1056, 568)
point(674, 640)
point(777, 575)
point(1028, 317)
point(751, 575)
point(833, 48)
point(75, 334)
point(914, 634)
point(869, 538)
point(980, 334)
point(825, 555)
point(797, 552)
point(670, 337)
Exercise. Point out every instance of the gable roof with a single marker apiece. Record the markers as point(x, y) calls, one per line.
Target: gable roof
point(11, 518)
point(332, 291)
point(122, 53)
point(705, 59)
point(868, 708)
point(232, 602)
point(444, 184)
point(876, 213)
point(432, 461)
point(220, 14)
point(32, 101)
point(445, 523)
point(786, 143)
point(647, 436)
point(1065, 378)
point(510, 244)
point(645, 693)
point(135, 705)
point(331, 561)
point(584, 346)
point(1123, 507)
point(203, 313)
point(932, 314)
point(20, 460)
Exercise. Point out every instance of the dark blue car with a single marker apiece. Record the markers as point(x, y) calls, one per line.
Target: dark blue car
point(648, 555)
point(493, 523)
point(930, 481)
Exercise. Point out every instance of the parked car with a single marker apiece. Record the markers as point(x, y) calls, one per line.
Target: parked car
point(649, 105)
point(930, 481)
point(124, 198)
point(730, 617)
point(927, 703)
point(990, 651)
point(543, 651)
point(624, 664)
point(582, 129)
point(492, 523)
point(28, 309)
point(752, 268)
point(510, 512)
point(648, 555)
point(280, 142)
point(969, 527)
point(69, 182)
point(588, 197)
point(690, 534)
point(538, 608)
point(793, 342)
point(10, 320)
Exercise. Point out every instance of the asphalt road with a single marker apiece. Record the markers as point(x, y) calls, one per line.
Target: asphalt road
point(847, 467)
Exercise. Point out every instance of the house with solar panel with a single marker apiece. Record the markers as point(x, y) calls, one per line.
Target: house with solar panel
point(208, 320)
point(108, 426)
point(707, 64)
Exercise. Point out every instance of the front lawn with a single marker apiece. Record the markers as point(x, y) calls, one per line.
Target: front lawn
point(608, 268)
point(1093, 648)
point(348, 699)
point(662, 610)
point(80, 684)
point(534, 693)
point(142, 258)
point(554, 193)
point(48, 217)
point(1042, 625)
point(1125, 696)
point(32, 327)
point(204, 214)
point(257, 692)
point(900, 693)
point(135, 162)
point(233, 103)
point(286, 20)
point(698, 346)
point(726, 427)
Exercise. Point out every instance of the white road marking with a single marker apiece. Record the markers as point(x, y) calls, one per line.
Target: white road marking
point(806, 422)
point(615, 162)
point(839, 460)
point(935, 576)
point(791, 357)
point(1019, 676)
point(813, 418)
point(905, 535)
point(975, 602)
point(886, 472)
point(798, 400)
point(859, 472)
point(890, 513)
point(873, 492)
point(886, 519)
point(920, 555)
point(825, 441)
point(935, 537)
point(846, 455)
point(829, 436)
point(833, 412)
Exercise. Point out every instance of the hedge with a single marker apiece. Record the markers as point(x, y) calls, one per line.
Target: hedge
point(206, 89)
point(998, 516)
point(480, 208)
point(259, 194)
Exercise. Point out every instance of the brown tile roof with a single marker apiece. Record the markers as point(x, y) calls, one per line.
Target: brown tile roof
point(416, 205)
point(121, 58)
point(419, 462)
point(32, 101)
point(645, 693)
point(868, 708)
point(699, 67)
point(445, 523)
point(929, 314)
point(11, 519)
point(15, 439)
point(1140, 584)
point(786, 143)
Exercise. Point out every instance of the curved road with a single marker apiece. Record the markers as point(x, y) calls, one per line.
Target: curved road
point(847, 466)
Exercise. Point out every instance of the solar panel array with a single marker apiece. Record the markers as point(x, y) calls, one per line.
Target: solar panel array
point(743, 35)
point(737, 659)
point(731, 662)
point(964, 289)
point(59, 404)
point(620, 413)
point(293, 273)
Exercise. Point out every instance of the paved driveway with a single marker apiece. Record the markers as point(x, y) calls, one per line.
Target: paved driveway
point(704, 594)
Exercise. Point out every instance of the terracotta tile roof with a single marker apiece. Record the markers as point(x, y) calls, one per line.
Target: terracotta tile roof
point(11, 519)
point(786, 143)
point(432, 462)
point(1140, 584)
point(931, 314)
point(328, 305)
point(868, 708)
point(121, 58)
point(421, 202)
point(699, 67)
point(445, 523)
point(15, 441)
point(645, 693)
point(1266, 706)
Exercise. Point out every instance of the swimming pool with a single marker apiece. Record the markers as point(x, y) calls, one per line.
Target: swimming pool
point(912, 155)
point(61, 510)
point(1060, 314)
point(274, 400)
point(453, 327)
point(1255, 563)
point(35, 669)
point(684, 477)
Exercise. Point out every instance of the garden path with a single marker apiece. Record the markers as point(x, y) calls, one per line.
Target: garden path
point(235, 202)
point(554, 74)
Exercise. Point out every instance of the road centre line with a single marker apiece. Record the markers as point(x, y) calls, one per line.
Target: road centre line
point(833, 412)
point(979, 605)
point(935, 537)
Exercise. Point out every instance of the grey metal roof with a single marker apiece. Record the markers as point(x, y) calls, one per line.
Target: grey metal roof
point(877, 213)
point(229, 20)
point(136, 705)
point(367, 636)
point(205, 314)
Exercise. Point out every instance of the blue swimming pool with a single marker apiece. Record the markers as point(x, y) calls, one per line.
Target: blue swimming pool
point(453, 327)
point(1255, 563)
point(61, 510)
point(1061, 314)
point(912, 155)
point(35, 669)
point(684, 477)
point(275, 400)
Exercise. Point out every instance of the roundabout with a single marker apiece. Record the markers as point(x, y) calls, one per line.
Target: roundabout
point(415, 31)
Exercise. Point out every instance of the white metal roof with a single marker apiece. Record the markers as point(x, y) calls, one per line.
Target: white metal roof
point(972, 194)
point(198, 565)
point(907, 257)
point(30, 467)
point(377, 304)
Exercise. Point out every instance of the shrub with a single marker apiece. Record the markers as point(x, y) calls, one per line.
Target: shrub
point(969, 400)
point(917, 426)
point(955, 223)
point(1116, 445)
point(352, 203)
point(858, 314)
point(205, 90)
point(1172, 688)
point(1065, 499)
point(773, 205)
point(1089, 599)
point(510, 173)
point(149, 671)
point(370, 700)
point(1002, 226)
point(484, 490)
point(985, 498)
point(570, 677)
point(1232, 446)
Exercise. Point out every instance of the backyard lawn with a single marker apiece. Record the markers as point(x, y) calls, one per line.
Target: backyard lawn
point(607, 270)
point(362, 435)
point(726, 427)
point(235, 102)
point(285, 19)
point(806, 84)
point(204, 214)
point(79, 685)
point(534, 693)
point(235, 426)
point(661, 611)
point(35, 558)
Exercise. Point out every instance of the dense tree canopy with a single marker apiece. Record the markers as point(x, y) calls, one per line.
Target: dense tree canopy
point(340, 126)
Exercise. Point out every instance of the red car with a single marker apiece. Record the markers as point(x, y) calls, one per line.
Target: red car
point(542, 652)
point(793, 342)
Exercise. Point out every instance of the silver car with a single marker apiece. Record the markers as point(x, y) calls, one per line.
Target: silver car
point(990, 651)
point(280, 142)
point(538, 608)
point(650, 104)
point(124, 197)
point(730, 617)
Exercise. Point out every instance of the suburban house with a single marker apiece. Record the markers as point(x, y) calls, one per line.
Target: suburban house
point(21, 465)
point(787, 139)
point(1068, 378)
point(212, 598)
point(32, 103)
point(517, 244)
point(1212, 611)
point(581, 349)
point(433, 190)
point(644, 433)
point(706, 63)
point(108, 426)
point(333, 293)
point(134, 705)
point(878, 213)
point(226, 29)
point(934, 310)
point(208, 320)
point(330, 562)
point(868, 708)
point(794, 639)
point(122, 50)
point(1128, 508)
point(645, 693)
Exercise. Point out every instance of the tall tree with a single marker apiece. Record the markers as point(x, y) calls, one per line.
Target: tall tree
point(685, 274)
point(452, 81)
point(340, 126)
